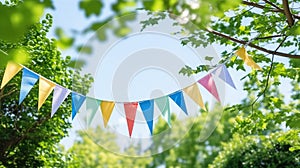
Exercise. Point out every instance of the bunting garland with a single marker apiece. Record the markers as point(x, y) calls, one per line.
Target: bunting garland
point(46, 87)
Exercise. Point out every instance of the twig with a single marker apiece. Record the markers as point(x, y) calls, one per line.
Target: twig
point(270, 9)
point(268, 76)
point(252, 45)
point(272, 4)
point(267, 37)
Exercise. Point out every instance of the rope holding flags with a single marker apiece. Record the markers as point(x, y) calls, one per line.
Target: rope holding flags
point(46, 87)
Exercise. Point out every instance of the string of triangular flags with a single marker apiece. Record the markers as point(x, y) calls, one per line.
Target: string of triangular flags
point(30, 78)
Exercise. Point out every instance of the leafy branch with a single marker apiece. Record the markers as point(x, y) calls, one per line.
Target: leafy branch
point(275, 52)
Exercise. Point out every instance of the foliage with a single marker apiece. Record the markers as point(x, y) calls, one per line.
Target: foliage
point(29, 137)
point(201, 143)
point(88, 153)
point(276, 150)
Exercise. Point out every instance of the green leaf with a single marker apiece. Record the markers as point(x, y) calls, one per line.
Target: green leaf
point(294, 148)
point(91, 7)
point(15, 20)
point(63, 41)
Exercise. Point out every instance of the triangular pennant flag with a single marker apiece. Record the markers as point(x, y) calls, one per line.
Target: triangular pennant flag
point(59, 95)
point(10, 71)
point(209, 84)
point(29, 79)
point(45, 88)
point(223, 73)
point(77, 101)
point(164, 106)
point(194, 93)
point(178, 98)
point(92, 105)
point(106, 109)
point(147, 107)
point(242, 53)
point(130, 112)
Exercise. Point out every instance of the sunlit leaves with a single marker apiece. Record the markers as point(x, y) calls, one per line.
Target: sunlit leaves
point(15, 20)
point(91, 7)
point(19, 55)
point(63, 41)
point(276, 150)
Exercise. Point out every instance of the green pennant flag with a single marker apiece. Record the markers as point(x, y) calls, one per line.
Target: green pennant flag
point(163, 105)
point(92, 105)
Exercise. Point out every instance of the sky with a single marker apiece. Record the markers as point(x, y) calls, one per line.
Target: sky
point(133, 69)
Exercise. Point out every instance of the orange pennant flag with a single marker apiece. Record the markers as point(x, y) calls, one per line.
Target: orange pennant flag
point(11, 70)
point(242, 53)
point(194, 93)
point(45, 88)
point(106, 109)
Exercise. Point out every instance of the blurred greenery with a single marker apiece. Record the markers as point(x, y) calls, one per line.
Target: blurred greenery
point(261, 131)
point(88, 152)
point(29, 138)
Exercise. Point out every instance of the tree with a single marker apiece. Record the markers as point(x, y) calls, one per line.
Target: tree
point(87, 153)
point(199, 146)
point(29, 137)
point(259, 151)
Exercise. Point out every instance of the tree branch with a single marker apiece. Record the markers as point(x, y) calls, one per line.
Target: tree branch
point(267, 37)
point(272, 4)
point(288, 13)
point(277, 9)
point(252, 45)
point(269, 73)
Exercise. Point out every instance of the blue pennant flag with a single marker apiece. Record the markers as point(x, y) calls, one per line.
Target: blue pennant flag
point(147, 107)
point(222, 72)
point(178, 98)
point(77, 101)
point(29, 79)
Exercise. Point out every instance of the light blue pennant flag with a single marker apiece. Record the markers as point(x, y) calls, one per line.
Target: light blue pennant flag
point(147, 107)
point(29, 79)
point(77, 101)
point(178, 98)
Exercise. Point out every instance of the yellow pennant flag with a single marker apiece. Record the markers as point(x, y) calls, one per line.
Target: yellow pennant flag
point(242, 53)
point(45, 88)
point(106, 109)
point(194, 93)
point(11, 70)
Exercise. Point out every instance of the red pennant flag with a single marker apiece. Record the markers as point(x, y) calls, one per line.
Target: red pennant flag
point(130, 111)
